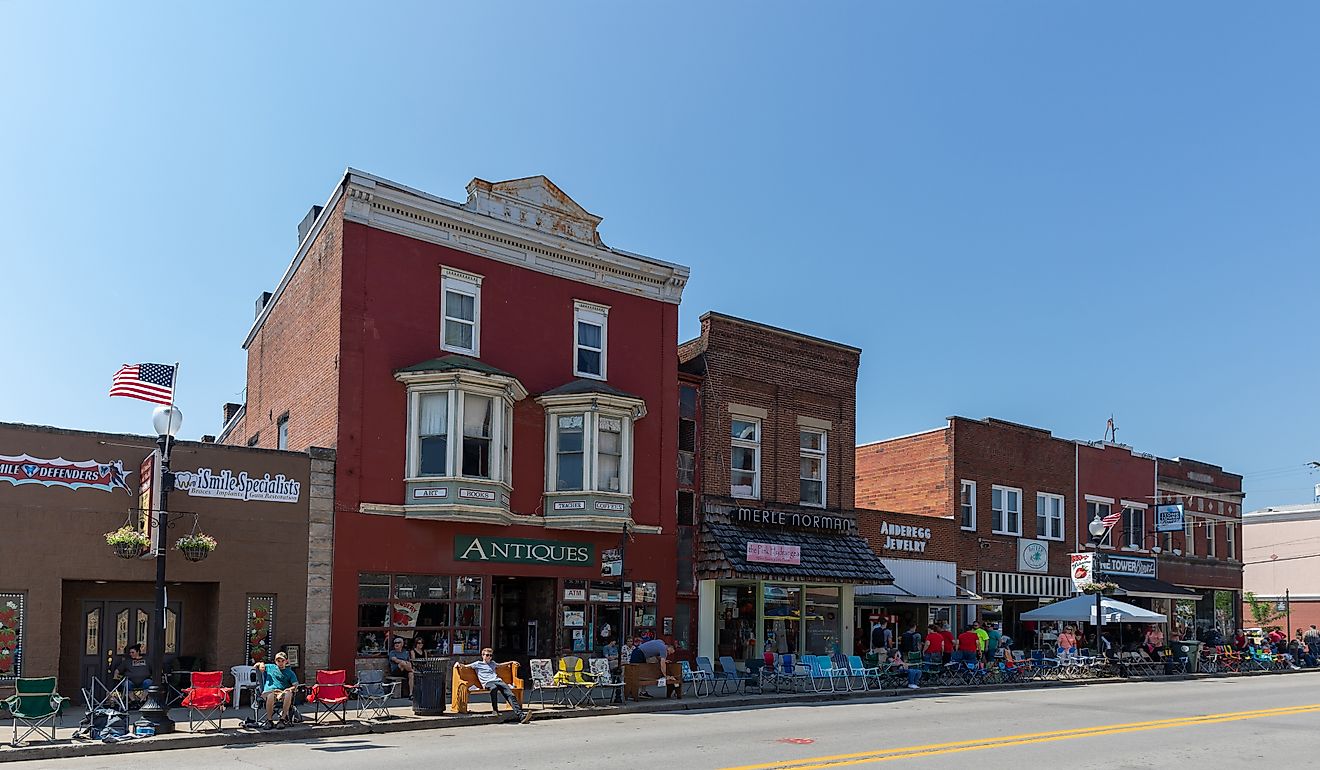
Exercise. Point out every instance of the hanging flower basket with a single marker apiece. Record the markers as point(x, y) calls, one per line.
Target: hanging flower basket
point(128, 542)
point(196, 546)
point(1098, 587)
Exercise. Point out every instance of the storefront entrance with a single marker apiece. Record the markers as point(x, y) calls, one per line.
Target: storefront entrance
point(524, 618)
point(108, 627)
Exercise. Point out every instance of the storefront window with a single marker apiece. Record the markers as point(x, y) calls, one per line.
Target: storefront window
point(782, 618)
point(445, 611)
point(737, 622)
point(11, 635)
point(823, 621)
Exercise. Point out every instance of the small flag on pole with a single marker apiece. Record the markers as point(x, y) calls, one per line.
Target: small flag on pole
point(147, 382)
point(1112, 519)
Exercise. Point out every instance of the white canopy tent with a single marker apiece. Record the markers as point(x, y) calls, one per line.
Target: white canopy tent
point(1081, 609)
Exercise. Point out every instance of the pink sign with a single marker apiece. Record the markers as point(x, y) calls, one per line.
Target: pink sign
point(774, 553)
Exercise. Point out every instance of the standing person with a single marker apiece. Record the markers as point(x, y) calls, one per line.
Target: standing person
point(933, 650)
point(1067, 642)
point(488, 675)
point(993, 635)
point(911, 641)
point(1312, 635)
point(969, 647)
point(982, 639)
point(653, 651)
point(882, 636)
point(1153, 642)
point(278, 683)
point(949, 645)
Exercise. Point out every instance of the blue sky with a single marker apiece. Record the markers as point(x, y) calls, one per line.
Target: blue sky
point(1045, 212)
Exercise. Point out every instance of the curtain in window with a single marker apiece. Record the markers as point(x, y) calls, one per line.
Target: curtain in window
point(568, 473)
point(433, 434)
point(476, 436)
point(610, 453)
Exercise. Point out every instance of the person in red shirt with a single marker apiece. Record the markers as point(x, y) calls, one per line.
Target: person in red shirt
point(934, 648)
point(949, 645)
point(969, 645)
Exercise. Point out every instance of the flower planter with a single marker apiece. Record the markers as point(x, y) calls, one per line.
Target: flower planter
point(129, 550)
point(195, 554)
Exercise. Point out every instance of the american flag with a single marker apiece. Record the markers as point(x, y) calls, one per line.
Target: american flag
point(1112, 519)
point(148, 382)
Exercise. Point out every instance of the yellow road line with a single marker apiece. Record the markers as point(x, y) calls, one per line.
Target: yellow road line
point(879, 755)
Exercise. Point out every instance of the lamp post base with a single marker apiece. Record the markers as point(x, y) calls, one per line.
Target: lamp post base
point(155, 711)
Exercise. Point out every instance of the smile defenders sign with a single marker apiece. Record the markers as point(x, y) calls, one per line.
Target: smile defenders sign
point(81, 474)
point(517, 550)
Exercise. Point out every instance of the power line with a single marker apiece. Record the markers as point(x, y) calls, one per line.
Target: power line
point(1286, 558)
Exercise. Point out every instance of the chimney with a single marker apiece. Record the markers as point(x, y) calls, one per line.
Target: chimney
point(208, 439)
point(305, 226)
point(262, 299)
point(231, 409)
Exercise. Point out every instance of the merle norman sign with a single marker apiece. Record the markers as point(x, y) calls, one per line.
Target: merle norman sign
point(517, 550)
point(818, 522)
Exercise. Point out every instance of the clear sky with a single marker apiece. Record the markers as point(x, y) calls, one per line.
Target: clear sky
point(1045, 212)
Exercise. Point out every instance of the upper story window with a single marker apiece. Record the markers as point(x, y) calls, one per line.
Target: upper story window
point(1209, 537)
point(590, 334)
point(811, 461)
point(1005, 510)
point(745, 457)
point(1230, 540)
point(1189, 529)
point(282, 432)
point(1134, 527)
point(460, 311)
point(590, 441)
point(460, 423)
point(1049, 516)
point(967, 505)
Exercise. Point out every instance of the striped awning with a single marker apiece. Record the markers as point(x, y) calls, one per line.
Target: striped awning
point(1020, 584)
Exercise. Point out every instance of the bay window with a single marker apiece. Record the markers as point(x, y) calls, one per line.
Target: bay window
point(589, 440)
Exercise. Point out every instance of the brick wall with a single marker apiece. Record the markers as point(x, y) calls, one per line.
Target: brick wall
point(910, 474)
point(293, 361)
point(943, 544)
point(789, 376)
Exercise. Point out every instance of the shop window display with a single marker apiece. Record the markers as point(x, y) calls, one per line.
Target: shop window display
point(737, 627)
point(590, 620)
point(782, 618)
point(822, 621)
point(11, 636)
point(445, 611)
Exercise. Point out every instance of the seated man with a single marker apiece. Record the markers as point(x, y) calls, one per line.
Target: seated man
point(134, 668)
point(489, 676)
point(400, 661)
point(278, 683)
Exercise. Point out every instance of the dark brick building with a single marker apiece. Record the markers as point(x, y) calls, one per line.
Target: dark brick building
point(773, 457)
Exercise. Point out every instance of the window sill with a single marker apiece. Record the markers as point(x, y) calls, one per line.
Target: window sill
point(1003, 532)
point(589, 376)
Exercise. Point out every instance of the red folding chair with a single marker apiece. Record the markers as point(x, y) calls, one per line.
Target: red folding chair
point(206, 699)
point(331, 693)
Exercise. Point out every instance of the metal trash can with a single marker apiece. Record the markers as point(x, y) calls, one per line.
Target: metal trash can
point(1191, 650)
point(430, 676)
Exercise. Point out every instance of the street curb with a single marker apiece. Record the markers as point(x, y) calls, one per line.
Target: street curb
point(408, 724)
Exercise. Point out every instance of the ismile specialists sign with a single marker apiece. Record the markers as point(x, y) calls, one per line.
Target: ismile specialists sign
point(517, 550)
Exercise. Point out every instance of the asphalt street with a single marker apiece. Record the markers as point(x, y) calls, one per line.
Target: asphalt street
point(1204, 723)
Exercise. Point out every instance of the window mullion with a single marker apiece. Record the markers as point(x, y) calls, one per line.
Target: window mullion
point(454, 442)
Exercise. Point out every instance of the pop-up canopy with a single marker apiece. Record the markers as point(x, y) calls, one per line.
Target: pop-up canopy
point(1082, 609)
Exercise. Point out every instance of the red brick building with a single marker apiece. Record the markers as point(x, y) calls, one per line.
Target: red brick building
point(501, 387)
point(778, 552)
point(1008, 487)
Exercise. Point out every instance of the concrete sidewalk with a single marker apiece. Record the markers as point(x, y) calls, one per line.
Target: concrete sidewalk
point(402, 718)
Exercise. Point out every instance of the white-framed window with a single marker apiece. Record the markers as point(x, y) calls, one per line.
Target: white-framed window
point(811, 462)
point(460, 312)
point(1005, 510)
point(1230, 539)
point(590, 335)
point(457, 433)
point(1189, 533)
point(282, 432)
point(967, 505)
point(1095, 508)
point(1134, 527)
point(745, 457)
point(1049, 516)
point(589, 450)
point(1210, 537)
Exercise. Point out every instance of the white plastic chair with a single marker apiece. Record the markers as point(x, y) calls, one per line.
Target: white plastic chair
point(245, 678)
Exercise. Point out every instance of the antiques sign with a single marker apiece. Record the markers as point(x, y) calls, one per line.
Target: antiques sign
point(519, 550)
point(80, 474)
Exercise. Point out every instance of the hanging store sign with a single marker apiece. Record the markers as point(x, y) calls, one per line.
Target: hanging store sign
point(1133, 566)
point(71, 474)
point(1169, 518)
point(791, 519)
point(774, 553)
point(900, 537)
point(1083, 570)
point(517, 550)
point(204, 482)
point(1033, 555)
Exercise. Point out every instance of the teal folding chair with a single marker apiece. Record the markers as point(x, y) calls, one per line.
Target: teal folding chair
point(36, 706)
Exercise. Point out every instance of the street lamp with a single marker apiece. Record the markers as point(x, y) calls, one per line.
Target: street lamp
point(1097, 529)
point(167, 420)
point(1285, 606)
